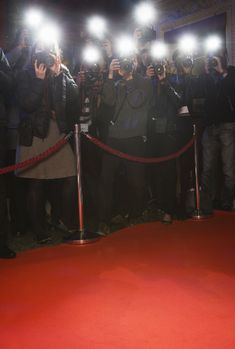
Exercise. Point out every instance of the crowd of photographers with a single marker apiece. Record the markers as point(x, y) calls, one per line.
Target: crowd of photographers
point(135, 104)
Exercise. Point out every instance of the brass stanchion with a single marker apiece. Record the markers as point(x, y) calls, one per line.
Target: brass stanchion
point(82, 236)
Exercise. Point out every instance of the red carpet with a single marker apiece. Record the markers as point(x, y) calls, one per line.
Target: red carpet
point(146, 287)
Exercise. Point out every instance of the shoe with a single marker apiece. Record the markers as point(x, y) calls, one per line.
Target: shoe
point(103, 229)
point(136, 220)
point(166, 219)
point(119, 219)
point(7, 253)
point(43, 238)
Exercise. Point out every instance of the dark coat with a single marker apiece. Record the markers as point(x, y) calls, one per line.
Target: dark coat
point(38, 98)
point(163, 114)
point(5, 87)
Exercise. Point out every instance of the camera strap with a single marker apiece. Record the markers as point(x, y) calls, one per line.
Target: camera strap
point(117, 112)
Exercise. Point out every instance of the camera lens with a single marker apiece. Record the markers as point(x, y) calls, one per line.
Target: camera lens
point(126, 65)
point(159, 69)
point(187, 62)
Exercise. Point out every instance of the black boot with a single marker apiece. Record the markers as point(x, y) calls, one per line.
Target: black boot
point(6, 252)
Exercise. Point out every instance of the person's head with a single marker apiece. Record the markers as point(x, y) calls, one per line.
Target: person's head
point(182, 62)
point(107, 46)
point(23, 37)
point(218, 61)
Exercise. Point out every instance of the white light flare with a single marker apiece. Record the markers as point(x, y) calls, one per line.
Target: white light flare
point(145, 13)
point(33, 18)
point(188, 44)
point(158, 50)
point(97, 26)
point(213, 43)
point(91, 55)
point(125, 46)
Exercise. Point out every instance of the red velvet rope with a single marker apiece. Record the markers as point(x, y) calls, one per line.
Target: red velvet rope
point(122, 155)
point(39, 157)
point(100, 144)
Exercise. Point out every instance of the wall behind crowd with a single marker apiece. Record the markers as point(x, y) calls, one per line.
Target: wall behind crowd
point(175, 15)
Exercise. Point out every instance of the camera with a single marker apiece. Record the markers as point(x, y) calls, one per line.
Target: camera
point(187, 62)
point(92, 73)
point(147, 34)
point(159, 68)
point(126, 64)
point(44, 57)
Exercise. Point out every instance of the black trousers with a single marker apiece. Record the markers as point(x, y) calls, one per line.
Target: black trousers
point(62, 195)
point(3, 210)
point(163, 176)
point(135, 176)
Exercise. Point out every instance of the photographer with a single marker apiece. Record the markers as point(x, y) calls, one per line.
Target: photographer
point(218, 86)
point(163, 141)
point(130, 98)
point(184, 81)
point(5, 90)
point(18, 56)
point(48, 99)
point(143, 37)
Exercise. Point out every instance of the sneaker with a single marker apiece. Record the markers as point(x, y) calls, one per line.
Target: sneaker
point(103, 229)
point(166, 219)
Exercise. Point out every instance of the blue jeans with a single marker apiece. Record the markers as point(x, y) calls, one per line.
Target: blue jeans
point(219, 140)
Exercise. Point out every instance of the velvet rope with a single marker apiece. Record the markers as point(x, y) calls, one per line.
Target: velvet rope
point(125, 156)
point(39, 157)
point(97, 142)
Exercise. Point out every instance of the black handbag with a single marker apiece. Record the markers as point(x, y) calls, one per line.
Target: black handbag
point(26, 132)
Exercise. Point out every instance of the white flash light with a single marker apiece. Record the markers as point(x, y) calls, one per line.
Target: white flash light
point(145, 13)
point(158, 50)
point(97, 26)
point(91, 54)
point(125, 46)
point(33, 18)
point(49, 34)
point(213, 43)
point(188, 44)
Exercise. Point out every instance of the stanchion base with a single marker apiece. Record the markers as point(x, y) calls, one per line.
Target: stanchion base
point(198, 215)
point(82, 238)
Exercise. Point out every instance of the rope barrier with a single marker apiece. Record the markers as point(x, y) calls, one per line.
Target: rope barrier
point(39, 157)
point(125, 156)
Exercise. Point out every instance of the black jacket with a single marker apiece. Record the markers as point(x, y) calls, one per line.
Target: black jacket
point(219, 94)
point(5, 87)
point(163, 114)
point(38, 98)
point(131, 101)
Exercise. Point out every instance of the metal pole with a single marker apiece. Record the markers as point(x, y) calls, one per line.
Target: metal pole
point(196, 169)
point(77, 131)
point(82, 236)
point(197, 214)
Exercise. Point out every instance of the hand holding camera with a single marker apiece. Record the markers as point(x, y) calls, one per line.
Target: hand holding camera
point(150, 71)
point(158, 70)
point(40, 70)
point(114, 66)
